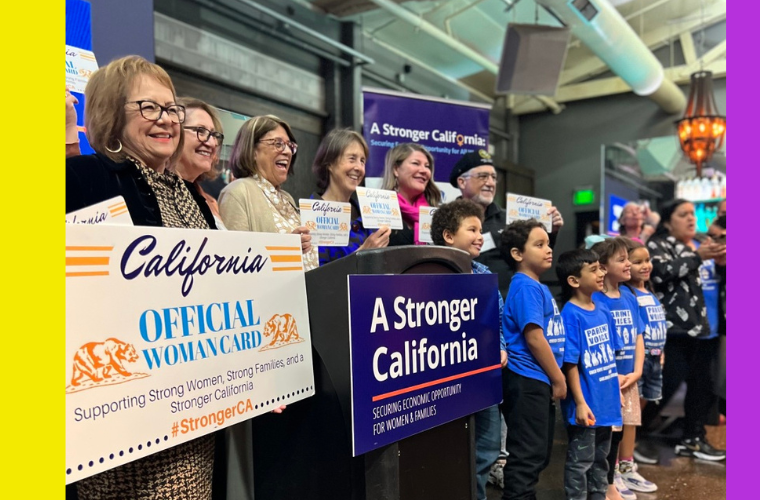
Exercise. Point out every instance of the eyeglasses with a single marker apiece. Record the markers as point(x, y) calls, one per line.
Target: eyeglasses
point(482, 176)
point(151, 110)
point(279, 145)
point(205, 134)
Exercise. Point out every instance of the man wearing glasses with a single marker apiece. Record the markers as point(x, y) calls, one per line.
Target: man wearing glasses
point(475, 176)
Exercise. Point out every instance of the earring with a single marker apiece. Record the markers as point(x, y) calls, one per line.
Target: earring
point(116, 150)
point(395, 183)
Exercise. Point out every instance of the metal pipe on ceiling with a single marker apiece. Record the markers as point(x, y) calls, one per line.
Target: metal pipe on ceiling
point(602, 29)
point(430, 69)
point(308, 31)
point(436, 33)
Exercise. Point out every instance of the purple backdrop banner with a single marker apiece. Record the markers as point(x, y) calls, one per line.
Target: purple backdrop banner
point(424, 351)
point(447, 129)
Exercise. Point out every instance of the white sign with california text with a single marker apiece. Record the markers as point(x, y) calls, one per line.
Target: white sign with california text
point(520, 207)
point(113, 211)
point(172, 334)
point(379, 208)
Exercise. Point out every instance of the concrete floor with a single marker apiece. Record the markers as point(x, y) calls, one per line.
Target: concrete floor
point(678, 478)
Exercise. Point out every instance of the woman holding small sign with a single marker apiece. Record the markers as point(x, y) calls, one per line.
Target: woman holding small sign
point(134, 124)
point(262, 160)
point(339, 169)
point(409, 171)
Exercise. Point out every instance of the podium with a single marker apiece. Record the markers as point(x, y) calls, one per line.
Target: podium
point(305, 452)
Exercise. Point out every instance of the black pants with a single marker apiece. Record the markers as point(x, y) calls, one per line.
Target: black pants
point(529, 415)
point(612, 455)
point(689, 359)
point(586, 464)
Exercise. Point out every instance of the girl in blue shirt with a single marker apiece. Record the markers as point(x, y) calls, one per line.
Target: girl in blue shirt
point(655, 326)
point(622, 303)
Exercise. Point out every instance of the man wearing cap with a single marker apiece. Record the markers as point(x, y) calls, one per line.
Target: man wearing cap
point(475, 176)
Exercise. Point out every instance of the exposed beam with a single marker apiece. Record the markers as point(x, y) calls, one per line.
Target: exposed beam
point(687, 46)
point(610, 86)
point(426, 67)
point(440, 35)
point(592, 65)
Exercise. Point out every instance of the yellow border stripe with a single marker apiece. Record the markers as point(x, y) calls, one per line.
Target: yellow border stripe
point(87, 261)
point(286, 258)
point(91, 273)
point(287, 269)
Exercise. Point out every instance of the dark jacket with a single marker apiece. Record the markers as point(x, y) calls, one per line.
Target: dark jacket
point(675, 275)
point(91, 179)
point(494, 222)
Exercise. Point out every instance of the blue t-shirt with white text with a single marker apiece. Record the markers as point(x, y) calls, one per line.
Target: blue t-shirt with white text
point(710, 292)
point(625, 312)
point(653, 318)
point(591, 343)
point(529, 302)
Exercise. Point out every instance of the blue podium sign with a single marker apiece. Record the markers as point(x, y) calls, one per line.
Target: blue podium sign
point(424, 351)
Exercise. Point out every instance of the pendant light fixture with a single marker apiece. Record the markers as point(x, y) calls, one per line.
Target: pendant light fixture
point(702, 129)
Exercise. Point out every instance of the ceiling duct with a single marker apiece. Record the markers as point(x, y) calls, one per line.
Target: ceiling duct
point(599, 25)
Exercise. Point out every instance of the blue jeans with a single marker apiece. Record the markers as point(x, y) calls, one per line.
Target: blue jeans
point(487, 445)
point(650, 383)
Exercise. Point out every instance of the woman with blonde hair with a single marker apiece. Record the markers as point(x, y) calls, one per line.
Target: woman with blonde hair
point(409, 172)
point(262, 159)
point(203, 143)
point(134, 124)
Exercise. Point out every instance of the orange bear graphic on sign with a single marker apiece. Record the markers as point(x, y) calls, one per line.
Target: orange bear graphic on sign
point(103, 363)
point(283, 330)
point(311, 225)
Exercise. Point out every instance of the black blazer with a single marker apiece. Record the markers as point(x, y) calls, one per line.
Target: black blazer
point(94, 178)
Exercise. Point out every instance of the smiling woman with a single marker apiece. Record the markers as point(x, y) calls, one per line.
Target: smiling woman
point(261, 160)
point(339, 169)
point(134, 124)
point(203, 140)
point(409, 171)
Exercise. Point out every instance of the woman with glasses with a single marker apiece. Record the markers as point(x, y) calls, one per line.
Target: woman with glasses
point(203, 142)
point(409, 172)
point(135, 126)
point(261, 160)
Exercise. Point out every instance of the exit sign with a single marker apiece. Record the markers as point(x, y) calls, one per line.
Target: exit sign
point(584, 197)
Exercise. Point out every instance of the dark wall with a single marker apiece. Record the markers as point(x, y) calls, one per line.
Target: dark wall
point(564, 150)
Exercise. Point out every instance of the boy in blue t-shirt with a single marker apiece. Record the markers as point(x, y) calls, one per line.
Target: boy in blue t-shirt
point(535, 338)
point(593, 405)
point(459, 225)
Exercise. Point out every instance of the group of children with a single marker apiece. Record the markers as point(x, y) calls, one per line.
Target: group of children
point(600, 356)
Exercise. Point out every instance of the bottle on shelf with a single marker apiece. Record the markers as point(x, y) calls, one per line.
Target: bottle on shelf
point(705, 189)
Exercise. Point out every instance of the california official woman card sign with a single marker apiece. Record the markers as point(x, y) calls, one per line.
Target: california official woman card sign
point(174, 333)
point(520, 207)
point(379, 208)
point(329, 222)
point(113, 211)
point(426, 221)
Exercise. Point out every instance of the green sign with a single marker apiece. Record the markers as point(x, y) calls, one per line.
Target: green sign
point(583, 197)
